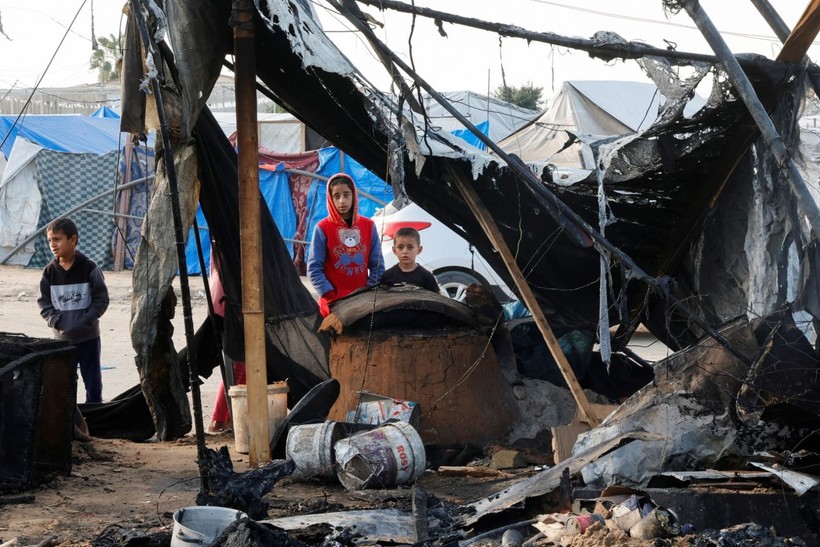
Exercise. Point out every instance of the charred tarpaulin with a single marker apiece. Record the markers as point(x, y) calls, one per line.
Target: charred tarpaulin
point(712, 410)
point(665, 188)
point(660, 186)
point(661, 202)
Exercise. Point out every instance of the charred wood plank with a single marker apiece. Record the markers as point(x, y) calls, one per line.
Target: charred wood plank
point(372, 525)
point(420, 522)
point(491, 229)
point(546, 481)
point(596, 48)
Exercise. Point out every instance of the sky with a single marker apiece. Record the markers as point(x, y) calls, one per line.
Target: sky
point(38, 41)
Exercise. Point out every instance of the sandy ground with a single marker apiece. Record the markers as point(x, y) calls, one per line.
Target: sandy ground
point(19, 289)
point(120, 487)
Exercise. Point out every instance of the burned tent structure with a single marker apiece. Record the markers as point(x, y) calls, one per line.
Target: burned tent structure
point(657, 188)
point(668, 231)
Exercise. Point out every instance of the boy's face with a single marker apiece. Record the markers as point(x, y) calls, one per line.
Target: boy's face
point(406, 249)
point(342, 197)
point(62, 247)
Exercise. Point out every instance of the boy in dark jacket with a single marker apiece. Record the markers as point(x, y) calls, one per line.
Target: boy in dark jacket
point(406, 247)
point(73, 296)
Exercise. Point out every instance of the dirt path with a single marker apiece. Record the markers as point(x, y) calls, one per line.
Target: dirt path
point(19, 289)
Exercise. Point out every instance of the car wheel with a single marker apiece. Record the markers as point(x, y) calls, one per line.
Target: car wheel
point(453, 284)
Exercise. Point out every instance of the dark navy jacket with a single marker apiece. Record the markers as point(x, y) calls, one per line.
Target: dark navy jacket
point(72, 301)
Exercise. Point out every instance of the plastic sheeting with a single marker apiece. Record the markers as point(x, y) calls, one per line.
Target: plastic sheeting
point(20, 202)
point(275, 187)
point(602, 108)
point(276, 194)
point(79, 134)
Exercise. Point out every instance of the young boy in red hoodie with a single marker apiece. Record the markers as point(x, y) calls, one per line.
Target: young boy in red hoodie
point(345, 251)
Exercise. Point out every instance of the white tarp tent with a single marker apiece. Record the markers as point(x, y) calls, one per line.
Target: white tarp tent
point(278, 131)
point(595, 108)
point(499, 117)
point(20, 201)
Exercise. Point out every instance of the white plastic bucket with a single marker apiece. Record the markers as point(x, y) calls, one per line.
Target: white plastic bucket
point(390, 455)
point(310, 446)
point(277, 410)
point(201, 525)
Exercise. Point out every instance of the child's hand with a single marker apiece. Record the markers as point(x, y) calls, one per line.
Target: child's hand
point(54, 321)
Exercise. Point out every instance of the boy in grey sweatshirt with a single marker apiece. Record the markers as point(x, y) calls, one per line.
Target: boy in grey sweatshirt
point(73, 296)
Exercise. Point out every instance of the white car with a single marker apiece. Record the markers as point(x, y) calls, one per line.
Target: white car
point(449, 256)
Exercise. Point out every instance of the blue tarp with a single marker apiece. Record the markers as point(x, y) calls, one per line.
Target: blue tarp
point(469, 136)
point(275, 190)
point(76, 134)
point(104, 112)
point(276, 194)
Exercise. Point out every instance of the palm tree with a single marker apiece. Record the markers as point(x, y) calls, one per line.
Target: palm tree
point(107, 58)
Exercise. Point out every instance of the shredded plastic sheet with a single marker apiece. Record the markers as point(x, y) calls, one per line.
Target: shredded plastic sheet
point(665, 185)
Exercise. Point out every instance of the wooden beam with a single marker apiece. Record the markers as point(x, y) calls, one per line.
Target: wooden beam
point(494, 234)
point(247, 139)
point(803, 34)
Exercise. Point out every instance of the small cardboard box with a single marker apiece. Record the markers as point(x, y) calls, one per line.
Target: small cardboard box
point(376, 409)
point(564, 437)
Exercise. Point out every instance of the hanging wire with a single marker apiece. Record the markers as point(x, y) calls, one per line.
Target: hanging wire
point(40, 80)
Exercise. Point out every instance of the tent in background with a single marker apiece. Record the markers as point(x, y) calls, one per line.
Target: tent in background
point(56, 163)
point(297, 200)
point(56, 152)
point(104, 112)
point(280, 136)
point(76, 134)
point(495, 118)
point(594, 108)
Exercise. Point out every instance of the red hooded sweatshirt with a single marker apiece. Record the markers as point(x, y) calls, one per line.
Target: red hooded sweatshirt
point(343, 256)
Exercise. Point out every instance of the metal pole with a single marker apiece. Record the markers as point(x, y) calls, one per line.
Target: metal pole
point(607, 51)
point(805, 202)
point(778, 25)
point(167, 155)
point(249, 231)
point(121, 206)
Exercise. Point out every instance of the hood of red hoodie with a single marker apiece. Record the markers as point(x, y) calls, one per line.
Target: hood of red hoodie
point(332, 212)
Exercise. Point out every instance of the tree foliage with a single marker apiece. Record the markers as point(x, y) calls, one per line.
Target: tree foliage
point(107, 58)
point(525, 96)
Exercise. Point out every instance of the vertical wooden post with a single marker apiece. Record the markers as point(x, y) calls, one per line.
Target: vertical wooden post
point(494, 234)
point(249, 223)
point(121, 208)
